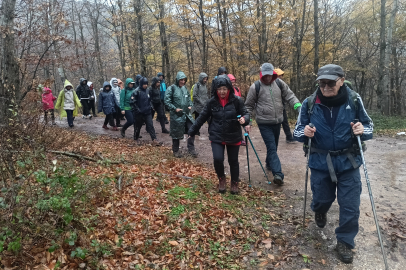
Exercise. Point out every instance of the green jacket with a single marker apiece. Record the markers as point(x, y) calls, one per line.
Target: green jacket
point(178, 98)
point(61, 101)
point(125, 95)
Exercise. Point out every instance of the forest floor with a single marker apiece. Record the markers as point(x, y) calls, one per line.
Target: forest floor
point(284, 244)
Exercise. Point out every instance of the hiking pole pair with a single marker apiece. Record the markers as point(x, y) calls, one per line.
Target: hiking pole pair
point(247, 137)
point(371, 198)
point(307, 176)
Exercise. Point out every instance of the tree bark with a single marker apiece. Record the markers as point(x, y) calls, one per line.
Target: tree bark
point(164, 42)
point(387, 87)
point(204, 52)
point(383, 75)
point(9, 78)
point(141, 56)
point(316, 36)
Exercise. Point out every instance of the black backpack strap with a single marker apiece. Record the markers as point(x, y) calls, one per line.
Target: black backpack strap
point(310, 102)
point(257, 87)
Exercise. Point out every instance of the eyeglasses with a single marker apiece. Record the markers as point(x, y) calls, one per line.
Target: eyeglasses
point(330, 84)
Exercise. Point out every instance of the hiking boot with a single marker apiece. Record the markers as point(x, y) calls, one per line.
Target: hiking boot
point(119, 125)
point(122, 132)
point(193, 153)
point(222, 184)
point(290, 140)
point(277, 179)
point(115, 128)
point(156, 143)
point(105, 127)
point(344, 253)
point(83, 116)
point(321, 219)
point(177, 154)
point(234, 188)
point(90, 116)
point(94, 115)
point(165, 131)
point(166, 122)
point(53, 123)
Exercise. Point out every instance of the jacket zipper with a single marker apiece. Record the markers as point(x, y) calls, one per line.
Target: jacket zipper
point(332, 130)
point(273, 101)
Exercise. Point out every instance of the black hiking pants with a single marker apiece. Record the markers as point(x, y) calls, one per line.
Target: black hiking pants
point(218, 158)
point(139, 119)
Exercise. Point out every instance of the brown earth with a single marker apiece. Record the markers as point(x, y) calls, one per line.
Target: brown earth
point(387, 172)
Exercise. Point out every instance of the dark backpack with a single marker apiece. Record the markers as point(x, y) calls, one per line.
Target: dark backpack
point(258, 85)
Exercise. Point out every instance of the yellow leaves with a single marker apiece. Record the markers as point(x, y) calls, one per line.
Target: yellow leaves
point(173, 243)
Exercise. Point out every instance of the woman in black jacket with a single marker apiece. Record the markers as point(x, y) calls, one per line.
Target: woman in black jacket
point(224, 129)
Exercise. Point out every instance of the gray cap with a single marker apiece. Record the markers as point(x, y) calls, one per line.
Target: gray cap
point(330, 72)
point(267, 69)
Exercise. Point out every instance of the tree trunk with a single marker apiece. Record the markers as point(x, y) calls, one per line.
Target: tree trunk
point(316, 36)
point(387, 89)
point(299, 49)
point(164, 42)
point(141, 56)
point(222, 16)
point(94, 23)
point(279, 38)
point(204, 56)
point(9, 78)
point(383, 75)
point(82, 39)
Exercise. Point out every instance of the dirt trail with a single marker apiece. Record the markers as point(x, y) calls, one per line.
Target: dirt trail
point(386, 160)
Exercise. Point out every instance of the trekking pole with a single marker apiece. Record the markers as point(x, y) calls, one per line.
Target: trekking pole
point(248, 160)
point(371, 198)
point(307, 176)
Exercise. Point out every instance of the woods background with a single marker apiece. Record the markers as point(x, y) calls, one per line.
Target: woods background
point(47, 41)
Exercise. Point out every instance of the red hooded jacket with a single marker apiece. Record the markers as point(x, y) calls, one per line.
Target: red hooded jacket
point(237, 91)
point(47, 99)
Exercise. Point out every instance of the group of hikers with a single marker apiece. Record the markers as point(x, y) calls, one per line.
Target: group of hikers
point(331, 117)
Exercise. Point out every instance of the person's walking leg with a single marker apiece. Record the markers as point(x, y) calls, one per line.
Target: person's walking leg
point(52, 111)
point(106, 120)
point(161, 116)
point(69, 116)
point(111, 121)
point(232, 154)
point(286, 128)
point(130, 120)
point(324, 194)
point(138, 120)
point(218, 162)
point(175, 147)
point(349, 189)
point(46, 117)
point(191, 140)
point(85, 106)
point(272, 160)
point(150, 126)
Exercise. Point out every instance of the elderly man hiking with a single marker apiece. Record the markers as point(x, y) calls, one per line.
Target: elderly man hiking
point(266, 98)
point(334, 155)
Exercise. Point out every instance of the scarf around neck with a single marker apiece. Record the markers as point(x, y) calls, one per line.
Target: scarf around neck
point(335, 101)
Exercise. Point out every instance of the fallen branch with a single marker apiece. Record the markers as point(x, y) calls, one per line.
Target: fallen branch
point(69, 154)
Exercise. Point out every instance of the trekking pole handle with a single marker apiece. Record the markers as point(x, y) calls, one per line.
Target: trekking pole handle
point(311, 125)
point(238, 116)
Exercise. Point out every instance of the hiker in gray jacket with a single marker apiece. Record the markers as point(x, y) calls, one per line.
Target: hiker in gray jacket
point(200, 96)
point(267, 99)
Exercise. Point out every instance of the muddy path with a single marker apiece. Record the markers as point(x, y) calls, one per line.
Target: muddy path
point(386, 164)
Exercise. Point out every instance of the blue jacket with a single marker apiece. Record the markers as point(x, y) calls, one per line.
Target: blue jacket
point(334, 139)
point(107, 100)
point(163, 86)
